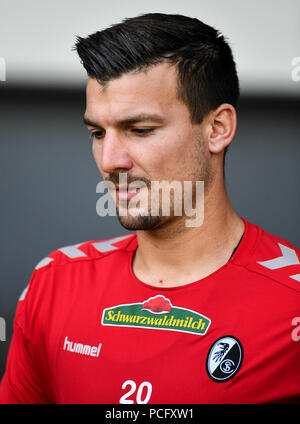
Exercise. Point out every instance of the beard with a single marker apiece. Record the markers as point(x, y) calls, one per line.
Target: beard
point(140, 222)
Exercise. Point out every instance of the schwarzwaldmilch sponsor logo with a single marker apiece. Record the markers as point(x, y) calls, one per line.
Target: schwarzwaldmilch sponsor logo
point(157, 313)
point(224, 359)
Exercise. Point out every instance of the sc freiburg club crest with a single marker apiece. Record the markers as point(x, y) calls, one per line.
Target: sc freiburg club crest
point(224, 359)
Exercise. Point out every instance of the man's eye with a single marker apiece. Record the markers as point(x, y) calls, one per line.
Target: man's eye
point(96, 134)
point(142, 131)
point(139, 131)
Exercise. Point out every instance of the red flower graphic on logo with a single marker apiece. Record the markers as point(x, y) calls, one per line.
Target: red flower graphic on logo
point(157, 304)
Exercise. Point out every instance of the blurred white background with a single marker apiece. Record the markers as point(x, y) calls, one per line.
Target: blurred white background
point(36, 37)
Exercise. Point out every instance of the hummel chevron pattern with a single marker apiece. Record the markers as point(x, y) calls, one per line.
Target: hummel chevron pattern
point(289, 257)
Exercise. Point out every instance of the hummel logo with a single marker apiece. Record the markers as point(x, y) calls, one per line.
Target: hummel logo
point(81, 348)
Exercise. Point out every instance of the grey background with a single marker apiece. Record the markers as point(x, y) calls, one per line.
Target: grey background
point(48, 179)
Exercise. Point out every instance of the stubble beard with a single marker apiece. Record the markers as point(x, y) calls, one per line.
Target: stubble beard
point(140, 222)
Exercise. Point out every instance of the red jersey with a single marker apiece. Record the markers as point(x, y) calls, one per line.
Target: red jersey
point(87, 330)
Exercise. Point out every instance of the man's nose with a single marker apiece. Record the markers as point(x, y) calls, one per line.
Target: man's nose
point(113, 154)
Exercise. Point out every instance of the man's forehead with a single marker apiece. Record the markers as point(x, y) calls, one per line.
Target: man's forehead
point(153, 81)
point(154, 89)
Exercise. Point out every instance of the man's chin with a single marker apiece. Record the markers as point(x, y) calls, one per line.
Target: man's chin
point(135, 223)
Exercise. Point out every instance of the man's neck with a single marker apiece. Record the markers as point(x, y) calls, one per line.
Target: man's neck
point(175, 255)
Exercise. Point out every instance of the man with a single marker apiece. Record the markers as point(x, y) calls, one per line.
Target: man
point(173, 312)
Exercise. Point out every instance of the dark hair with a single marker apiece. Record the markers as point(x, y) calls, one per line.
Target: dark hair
point(207, 74)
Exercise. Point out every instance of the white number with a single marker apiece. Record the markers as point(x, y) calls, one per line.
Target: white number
point(140, 391)
point(126, 395)
point(132, 384)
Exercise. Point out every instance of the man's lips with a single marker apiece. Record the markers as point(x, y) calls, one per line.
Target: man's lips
point(126, 192)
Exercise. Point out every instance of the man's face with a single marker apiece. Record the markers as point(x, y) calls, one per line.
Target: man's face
point(162, 146)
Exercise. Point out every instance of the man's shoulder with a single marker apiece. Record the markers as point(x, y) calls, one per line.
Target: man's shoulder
point(65, 258)
point(87, 251)
point(275, 258)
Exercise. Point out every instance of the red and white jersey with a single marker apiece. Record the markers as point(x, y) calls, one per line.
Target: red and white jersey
point(87, 330)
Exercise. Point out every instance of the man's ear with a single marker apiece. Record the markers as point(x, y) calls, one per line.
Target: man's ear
point(221, 127)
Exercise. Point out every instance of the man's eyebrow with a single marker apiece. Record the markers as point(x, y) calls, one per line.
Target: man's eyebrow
point(129, 120)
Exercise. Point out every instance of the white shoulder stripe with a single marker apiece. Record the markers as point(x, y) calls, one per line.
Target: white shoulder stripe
point(73, 251)
point(295, 277)
point(289, 257)
point(106, 246)
point(23, 294)
point(43, 262)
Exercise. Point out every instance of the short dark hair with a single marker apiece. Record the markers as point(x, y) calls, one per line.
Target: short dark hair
point(207, 75)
